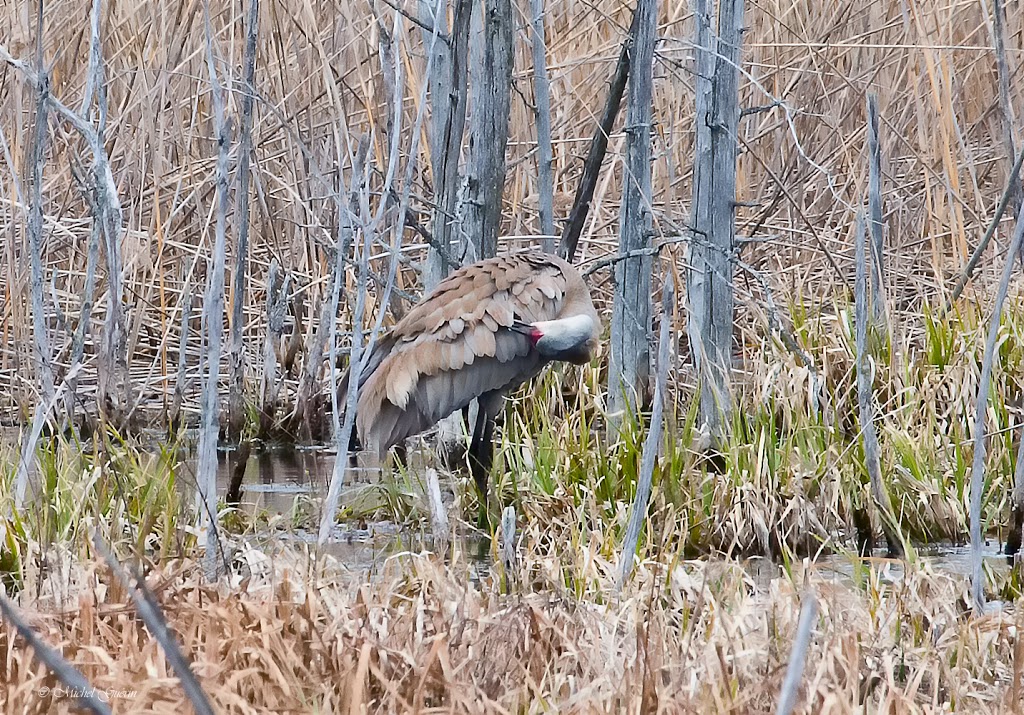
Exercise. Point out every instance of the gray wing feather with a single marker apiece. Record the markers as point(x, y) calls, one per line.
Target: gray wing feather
point(437, 396)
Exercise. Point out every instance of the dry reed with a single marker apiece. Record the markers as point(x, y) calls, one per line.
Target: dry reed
point(423, 636)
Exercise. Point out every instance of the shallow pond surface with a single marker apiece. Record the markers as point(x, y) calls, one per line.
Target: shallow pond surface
point(273, 480)
point(280, 481)
point(283, 479)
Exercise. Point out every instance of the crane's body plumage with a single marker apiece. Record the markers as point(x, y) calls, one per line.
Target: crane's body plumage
point(484, 330)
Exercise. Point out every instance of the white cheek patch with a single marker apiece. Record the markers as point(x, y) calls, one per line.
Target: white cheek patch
point(564, 334)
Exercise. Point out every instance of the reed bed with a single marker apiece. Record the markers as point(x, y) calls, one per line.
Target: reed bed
point(419, 634)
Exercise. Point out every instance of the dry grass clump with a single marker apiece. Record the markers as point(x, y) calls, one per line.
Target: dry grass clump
point(424, 637)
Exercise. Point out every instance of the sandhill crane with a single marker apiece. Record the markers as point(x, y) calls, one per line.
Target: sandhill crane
point(486, 329)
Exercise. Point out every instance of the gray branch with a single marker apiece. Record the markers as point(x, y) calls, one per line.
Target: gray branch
point(981, 409)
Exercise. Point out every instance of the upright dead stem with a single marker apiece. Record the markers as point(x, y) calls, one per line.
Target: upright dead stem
point(178, 398)
point(865, 399)
point(797, 656)
point(981, 410)
point(509, 562)
point(42, 358)
point(85, 314)
point(542, 113)
point(236, 398)
point(652, 443)
point(277, 303)
point(1005, 103)
point(878, 312)
point(438, 514)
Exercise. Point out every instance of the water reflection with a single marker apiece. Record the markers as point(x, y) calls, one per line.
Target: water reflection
point(273, 479)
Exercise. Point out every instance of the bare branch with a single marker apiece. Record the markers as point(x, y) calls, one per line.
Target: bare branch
point(981, 410)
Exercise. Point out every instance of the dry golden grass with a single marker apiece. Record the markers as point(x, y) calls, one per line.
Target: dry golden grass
point(423, 636)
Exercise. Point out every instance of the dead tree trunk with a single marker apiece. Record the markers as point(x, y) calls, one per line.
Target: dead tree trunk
point(710, 277)
point(236, 396)
point(542, 110)
point(434, 16)
point(448, 95)
point(213, 311)
point(491, 88)
point(448, 101)
point(630, 361)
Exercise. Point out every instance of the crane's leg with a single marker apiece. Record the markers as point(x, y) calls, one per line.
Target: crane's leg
point(481, 448)
point(481, 452)
point(353, 448)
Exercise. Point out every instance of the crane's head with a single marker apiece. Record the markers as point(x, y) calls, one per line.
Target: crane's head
point(571, 339)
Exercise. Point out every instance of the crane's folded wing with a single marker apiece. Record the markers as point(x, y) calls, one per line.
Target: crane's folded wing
point(382, 423)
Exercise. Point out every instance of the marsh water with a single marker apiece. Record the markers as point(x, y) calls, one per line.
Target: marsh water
point(282, 480)
point(288, 481)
